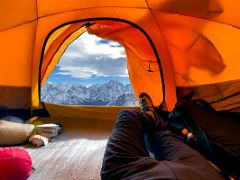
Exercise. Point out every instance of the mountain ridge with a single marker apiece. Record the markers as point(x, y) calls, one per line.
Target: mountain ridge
point(112, 93)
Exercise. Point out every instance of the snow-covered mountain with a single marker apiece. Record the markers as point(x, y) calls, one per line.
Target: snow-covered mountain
point(112, 93)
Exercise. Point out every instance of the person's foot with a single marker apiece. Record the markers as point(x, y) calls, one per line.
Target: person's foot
point(147, 107)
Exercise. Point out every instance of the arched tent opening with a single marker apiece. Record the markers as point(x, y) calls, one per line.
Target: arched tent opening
point(142, 60)
point(91, 71)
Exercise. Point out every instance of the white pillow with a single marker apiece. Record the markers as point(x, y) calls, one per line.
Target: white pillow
point(13, 133)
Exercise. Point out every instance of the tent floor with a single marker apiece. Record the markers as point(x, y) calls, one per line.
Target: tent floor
point(77, 153)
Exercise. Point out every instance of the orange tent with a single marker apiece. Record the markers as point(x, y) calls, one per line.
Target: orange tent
point(192, 46)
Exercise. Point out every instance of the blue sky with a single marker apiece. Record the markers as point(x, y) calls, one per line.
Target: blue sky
point(90, 60)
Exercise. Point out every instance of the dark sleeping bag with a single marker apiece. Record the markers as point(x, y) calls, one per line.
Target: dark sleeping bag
point(216, 135)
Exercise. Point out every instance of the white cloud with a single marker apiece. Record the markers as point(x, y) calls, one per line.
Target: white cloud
point(91, 44)
point(90, 55)
point(76, 72)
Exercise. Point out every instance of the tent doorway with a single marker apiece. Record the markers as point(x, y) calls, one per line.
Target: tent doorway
point(91, 71)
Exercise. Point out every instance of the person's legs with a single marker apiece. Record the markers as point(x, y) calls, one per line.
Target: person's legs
point(126, 144)
point(126, 155)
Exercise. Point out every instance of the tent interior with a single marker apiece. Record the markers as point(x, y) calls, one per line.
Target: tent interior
point(191, 46)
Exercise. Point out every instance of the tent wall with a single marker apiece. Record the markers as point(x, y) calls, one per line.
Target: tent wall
point(16, 13)
point(17, 39)
point(222, 96)
point(199, 50)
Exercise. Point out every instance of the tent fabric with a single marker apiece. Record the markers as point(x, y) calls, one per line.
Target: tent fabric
point(15, 97)
point(222, 96)
point(192, 43)
point(86, 112)
point(56, 45)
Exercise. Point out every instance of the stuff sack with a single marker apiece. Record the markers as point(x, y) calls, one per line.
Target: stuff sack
point(216, 135)
point(15, 164)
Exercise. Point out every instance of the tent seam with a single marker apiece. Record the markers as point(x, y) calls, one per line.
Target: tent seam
point(20, 24)
point(34, 43)
point(93, 8)
point(159, 59)
point(39, 17)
